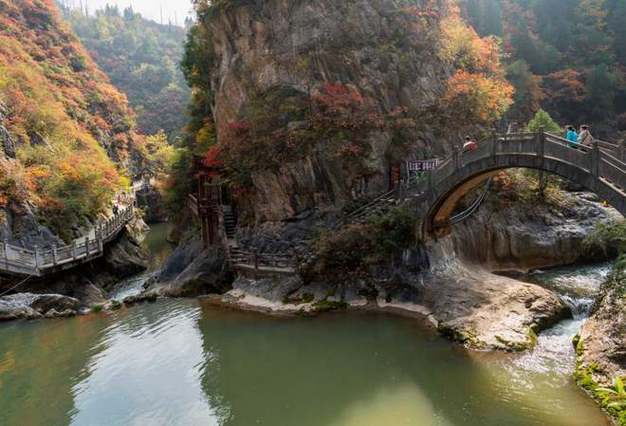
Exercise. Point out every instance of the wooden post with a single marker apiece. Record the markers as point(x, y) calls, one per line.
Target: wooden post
point(87, 246)
point(74, 250)
point(494, 145)
point(541, 149)
point(595, 160)
point(100, 242)
point(256, 261)
point(54, 254)
point(622, 150)
point(456, 155)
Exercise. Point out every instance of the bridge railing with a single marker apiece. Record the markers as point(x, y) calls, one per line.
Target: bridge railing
point(38, 262)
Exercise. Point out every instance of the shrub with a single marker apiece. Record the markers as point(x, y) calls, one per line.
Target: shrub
point(351, 252)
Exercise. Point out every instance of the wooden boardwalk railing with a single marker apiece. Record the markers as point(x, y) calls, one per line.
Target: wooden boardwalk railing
point(38, 263)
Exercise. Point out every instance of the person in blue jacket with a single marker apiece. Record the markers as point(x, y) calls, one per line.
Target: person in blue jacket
point(571, 136)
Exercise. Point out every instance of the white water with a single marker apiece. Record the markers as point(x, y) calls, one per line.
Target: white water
point(577, 287)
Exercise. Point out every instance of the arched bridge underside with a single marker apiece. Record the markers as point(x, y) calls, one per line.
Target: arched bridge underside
point(600, 168)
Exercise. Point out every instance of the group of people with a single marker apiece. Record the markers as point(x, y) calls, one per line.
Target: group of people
point(575, 138)
point(582, 137)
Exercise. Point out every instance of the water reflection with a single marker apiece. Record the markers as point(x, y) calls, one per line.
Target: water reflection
point(147, 371)
point(185, 363)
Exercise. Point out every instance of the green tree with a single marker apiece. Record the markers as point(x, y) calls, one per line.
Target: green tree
point(542, 120)
point(601, 90)
point(528, 93)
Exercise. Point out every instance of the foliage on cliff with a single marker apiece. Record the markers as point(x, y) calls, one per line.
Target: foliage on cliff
point(336, 113)
point(73, 130)
point(142, 59)
point(354, 250)
point(566, 56)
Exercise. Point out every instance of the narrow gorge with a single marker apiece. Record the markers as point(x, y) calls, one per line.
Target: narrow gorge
point(350, 210)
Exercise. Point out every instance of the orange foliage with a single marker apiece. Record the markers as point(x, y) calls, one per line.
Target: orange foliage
point(567, 84)
point(62, 110)
point(477, 92)
point(477, 98)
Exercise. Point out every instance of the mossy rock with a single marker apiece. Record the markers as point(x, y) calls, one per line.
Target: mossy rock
point(328, 306)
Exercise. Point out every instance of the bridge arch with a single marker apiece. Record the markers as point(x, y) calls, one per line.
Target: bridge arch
point(598, 169)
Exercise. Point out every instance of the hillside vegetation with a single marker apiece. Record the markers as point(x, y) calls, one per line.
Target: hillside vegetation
point(74, 133)
point(142, 59)
point(567, 56)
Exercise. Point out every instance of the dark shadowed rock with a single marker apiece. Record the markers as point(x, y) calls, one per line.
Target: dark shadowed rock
point(193, 271)
point(151, 201)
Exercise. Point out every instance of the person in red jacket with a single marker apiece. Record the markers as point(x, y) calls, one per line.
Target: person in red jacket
point(469, 145)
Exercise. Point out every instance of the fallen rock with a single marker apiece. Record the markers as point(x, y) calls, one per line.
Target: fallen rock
point(143, 297)
point(32, 306)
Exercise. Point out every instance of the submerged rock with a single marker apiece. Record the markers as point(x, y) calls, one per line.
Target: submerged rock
point(32, 306)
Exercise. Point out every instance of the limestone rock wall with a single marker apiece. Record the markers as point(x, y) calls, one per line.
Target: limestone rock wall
point(301, 45)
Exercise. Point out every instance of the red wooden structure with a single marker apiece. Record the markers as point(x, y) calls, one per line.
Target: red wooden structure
point(207, 197)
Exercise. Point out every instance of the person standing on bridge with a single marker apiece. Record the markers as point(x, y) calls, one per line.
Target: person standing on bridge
point(469, 145)
point(585, 137)
point(571, 136)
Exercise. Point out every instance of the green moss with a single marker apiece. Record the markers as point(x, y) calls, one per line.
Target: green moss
point(306, 298)
point(97, 308)
point(519, 346)
point(467, 337)
point(532, 335)
point(612, 399)
point(328, 306)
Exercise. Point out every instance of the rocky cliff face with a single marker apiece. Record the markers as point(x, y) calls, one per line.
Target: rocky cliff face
point(522, 236)
point(601, 348)
point(313, 101)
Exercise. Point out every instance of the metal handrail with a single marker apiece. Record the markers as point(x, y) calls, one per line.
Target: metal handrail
point(474, 207)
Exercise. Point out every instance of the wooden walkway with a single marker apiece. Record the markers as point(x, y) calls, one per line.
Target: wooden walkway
point(38, 263)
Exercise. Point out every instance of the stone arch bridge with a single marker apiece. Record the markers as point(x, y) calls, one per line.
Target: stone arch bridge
point(600, 168)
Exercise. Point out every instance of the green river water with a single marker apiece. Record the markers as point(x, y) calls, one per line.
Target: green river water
point(183, 362)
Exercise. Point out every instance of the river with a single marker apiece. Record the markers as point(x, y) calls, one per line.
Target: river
point(185, 362)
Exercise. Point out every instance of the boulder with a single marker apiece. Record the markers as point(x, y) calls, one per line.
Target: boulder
point(193, 271)
point(32, 306)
